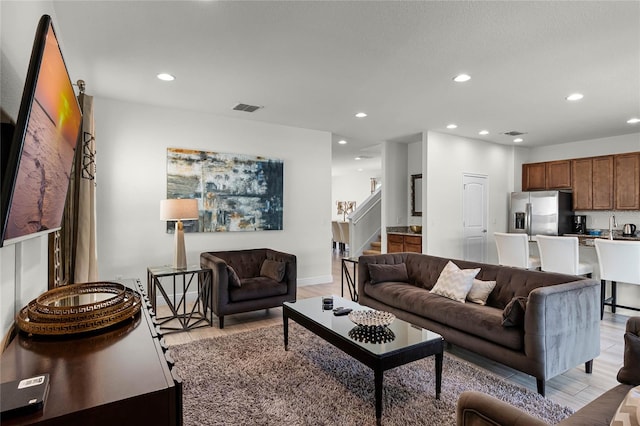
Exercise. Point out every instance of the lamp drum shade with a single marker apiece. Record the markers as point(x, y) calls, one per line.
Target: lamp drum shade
point(179, 209)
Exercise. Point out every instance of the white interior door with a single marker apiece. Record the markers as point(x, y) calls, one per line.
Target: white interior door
point(474, 215)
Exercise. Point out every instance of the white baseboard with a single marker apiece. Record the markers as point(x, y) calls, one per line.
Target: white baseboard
point(325, 279)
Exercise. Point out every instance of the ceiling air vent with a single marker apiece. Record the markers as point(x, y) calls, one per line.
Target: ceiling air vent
point(514, 133)
point(246, 108)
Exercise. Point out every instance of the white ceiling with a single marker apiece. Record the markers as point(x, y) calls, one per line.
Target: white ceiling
point(314, 64)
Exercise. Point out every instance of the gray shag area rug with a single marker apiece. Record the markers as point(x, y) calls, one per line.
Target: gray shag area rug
point(249, 379)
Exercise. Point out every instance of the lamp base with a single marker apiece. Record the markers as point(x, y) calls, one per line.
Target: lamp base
point(180, 254)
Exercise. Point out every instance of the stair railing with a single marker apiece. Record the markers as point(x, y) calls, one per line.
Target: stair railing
point(365, 223)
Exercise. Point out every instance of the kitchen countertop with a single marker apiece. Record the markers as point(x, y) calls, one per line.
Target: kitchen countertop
point(402, 230)
point(587, 240)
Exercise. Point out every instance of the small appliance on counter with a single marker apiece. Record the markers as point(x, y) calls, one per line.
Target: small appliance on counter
point(628, 230)
point(579, 224)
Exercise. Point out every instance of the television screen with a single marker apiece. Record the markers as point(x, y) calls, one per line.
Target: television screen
point(36, 180)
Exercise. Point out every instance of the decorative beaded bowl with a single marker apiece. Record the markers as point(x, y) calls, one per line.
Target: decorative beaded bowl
point(367, 334)
point(371, 318)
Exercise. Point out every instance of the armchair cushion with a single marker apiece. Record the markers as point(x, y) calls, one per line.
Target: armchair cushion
point(234, 280)
point(257, 288)
point(273, 269)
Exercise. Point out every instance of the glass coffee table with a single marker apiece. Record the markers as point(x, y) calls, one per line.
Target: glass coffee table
point(380, 349)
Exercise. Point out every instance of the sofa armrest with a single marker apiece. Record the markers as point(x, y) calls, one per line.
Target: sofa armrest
point(562, 326)
point(219, 279)
point(479, 409)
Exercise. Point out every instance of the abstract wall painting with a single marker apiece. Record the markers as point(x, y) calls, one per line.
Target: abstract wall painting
point(235, 192)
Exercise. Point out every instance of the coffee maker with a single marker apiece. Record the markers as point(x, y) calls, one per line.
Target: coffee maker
point(579, 224)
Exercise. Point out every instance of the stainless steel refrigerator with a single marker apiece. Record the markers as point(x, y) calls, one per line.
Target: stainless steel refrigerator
point(540, 212)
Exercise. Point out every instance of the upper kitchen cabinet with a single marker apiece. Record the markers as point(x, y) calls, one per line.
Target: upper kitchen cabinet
point(548, 175)
point(592, 183)
point(627, 181)
point(534, 176)
point(558, 174)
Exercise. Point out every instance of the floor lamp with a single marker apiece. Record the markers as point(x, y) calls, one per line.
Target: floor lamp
point(179, 210)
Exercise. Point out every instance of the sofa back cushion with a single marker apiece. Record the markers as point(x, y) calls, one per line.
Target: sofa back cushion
point(424, 270)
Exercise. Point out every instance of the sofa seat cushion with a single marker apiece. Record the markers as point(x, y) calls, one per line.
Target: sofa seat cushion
point(478, 320)
point(257, 288)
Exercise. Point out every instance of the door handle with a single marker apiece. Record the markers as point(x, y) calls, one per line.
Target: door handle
point(484, 231)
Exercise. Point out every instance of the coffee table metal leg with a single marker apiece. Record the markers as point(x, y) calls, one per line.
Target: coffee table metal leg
point(285, 320)
point(439, 357)
point(378, 375)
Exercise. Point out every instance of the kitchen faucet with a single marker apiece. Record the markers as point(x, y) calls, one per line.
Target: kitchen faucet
point(612, 223)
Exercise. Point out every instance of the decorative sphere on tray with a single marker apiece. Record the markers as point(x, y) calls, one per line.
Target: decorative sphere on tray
point(371, 318)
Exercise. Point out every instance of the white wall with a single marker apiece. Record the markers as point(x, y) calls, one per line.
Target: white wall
point(132, 140)
point(448, 157)
point(23, 266)
point(394, 187)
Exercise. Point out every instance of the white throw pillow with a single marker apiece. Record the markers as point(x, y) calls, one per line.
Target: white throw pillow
point(454, 283)
point(480, 291)
point(628, 412)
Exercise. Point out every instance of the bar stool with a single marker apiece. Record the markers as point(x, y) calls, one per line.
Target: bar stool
point(513, 250)
point(619, 261)
point(561, 254)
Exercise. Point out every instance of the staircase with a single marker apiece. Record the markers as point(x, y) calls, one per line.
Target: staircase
point(374, 248)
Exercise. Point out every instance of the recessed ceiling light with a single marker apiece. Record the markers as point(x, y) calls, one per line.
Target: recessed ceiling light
point(483, 132)
point(342, 142)
point(518, 140)
point(361, 115)
point(575, 97)
point(357, 158)
point(165, 77)
point(360, 170)
point(452, 126)
point(633, 120)
point(461, 78)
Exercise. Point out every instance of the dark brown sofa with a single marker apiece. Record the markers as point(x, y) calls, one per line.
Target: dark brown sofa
point(254, 291)
point(478, 409)
point(560, 330)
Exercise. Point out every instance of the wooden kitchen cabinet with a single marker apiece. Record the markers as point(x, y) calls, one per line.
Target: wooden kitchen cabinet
point(397, 243)
point(558, 174)
point(592, 183)
point(627, 181)
point(602, 183)
point(534, 176)
point(582, 172)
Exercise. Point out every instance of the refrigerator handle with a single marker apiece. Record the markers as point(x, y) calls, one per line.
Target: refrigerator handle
point(528, 225)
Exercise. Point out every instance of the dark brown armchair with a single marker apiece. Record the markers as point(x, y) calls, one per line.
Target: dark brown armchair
point(478, 409)
point(248, 280)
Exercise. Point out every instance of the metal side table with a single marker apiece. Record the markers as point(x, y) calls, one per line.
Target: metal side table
point(350, 276)
point(169, 281)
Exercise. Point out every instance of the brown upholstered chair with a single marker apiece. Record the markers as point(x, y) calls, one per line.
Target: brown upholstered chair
point(478, 409)
point(265, 279)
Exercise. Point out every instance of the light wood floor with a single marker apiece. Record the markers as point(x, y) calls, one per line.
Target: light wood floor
point(574, 388)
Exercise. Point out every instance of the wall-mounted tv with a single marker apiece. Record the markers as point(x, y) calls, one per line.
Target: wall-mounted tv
point(39, 160)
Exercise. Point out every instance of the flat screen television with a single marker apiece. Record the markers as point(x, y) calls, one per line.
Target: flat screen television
point(39, 160)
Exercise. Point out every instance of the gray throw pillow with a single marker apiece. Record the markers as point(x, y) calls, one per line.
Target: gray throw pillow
point(234, 280)
point(380, 273)
point(273, 269)
point(513, 313)
point(630, 372)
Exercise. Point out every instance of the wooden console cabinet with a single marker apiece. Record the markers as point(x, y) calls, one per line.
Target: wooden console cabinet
point(397, 243)
point(122, 376)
